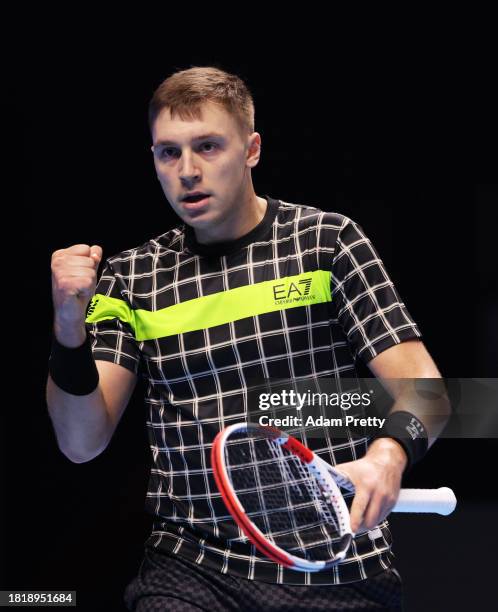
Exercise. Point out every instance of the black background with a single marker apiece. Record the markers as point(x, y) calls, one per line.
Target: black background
point(400, 137)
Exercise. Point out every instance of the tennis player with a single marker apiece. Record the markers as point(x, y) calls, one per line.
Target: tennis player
point(203, 312)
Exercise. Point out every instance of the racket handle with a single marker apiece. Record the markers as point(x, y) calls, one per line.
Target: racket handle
point(439, 501)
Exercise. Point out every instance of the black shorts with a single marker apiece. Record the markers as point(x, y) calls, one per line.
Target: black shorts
point(168, 582)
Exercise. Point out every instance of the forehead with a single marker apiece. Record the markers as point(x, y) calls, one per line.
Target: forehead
point(213, 119)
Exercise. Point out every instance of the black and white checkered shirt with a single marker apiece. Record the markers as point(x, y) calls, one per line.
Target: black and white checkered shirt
point(203, 323)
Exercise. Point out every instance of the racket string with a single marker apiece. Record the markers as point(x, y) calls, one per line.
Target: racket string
point(281, 497)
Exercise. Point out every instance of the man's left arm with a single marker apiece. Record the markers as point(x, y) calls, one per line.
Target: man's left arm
point(377, 475)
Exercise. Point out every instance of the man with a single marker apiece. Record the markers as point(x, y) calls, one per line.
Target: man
point(149, 315)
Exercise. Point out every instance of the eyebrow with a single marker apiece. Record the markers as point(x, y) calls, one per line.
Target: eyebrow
point(203, 137)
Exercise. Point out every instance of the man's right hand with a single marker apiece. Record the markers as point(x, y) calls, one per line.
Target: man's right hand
point(74, 278)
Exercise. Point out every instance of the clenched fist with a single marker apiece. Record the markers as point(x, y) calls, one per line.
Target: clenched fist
point(74, 278)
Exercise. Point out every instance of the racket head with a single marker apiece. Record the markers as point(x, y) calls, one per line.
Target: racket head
point(282, 496)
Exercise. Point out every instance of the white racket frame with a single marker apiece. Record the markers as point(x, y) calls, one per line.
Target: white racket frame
point(440, 501)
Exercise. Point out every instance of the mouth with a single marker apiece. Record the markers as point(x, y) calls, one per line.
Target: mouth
point(196, 200)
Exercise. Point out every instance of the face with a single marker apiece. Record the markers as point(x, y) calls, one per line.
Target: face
point(203, 165)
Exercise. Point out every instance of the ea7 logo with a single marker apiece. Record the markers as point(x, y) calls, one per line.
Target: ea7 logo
point(281, 292)
point(92, 306)
point(414, 428)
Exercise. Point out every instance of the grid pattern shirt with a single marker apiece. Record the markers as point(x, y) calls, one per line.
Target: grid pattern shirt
point(202, 323)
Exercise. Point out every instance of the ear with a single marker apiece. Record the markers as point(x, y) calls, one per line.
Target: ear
point(253, 150)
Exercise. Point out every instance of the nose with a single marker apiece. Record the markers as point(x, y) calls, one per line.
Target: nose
point(188, 169)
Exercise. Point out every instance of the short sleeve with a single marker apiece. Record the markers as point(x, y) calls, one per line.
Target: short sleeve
point(108, 323)
point(368, 306)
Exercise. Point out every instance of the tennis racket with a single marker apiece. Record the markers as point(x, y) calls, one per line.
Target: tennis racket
point(289, 502)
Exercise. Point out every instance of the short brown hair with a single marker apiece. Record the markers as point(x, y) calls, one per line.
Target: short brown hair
point(184, 92)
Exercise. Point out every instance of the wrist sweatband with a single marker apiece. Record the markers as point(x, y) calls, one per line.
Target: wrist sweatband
point(73, 369)
point(409, 431)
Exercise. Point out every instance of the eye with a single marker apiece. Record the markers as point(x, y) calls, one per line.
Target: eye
point(210, 145)
point(168, 152)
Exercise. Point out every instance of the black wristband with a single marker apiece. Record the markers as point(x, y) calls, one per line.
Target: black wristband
point(409, 431)
point(73, 369)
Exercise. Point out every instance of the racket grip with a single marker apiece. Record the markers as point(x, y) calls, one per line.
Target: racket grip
point(438, 501)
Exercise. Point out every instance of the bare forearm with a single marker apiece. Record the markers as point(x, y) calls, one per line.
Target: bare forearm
point(431, 406)
point(412, 379)
point(427, 400)
point(81, 423)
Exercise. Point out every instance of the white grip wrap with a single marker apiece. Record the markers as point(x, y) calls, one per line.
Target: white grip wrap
point(440, 501)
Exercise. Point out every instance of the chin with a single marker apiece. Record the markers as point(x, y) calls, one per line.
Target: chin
point(202, 219)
